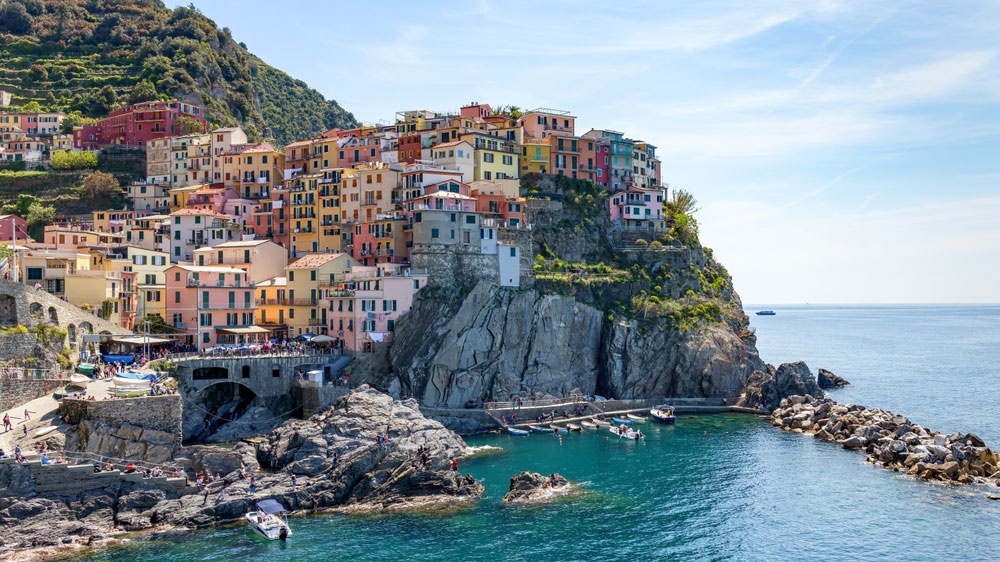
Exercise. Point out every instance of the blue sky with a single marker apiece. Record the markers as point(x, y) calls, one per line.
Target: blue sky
point(840, 152)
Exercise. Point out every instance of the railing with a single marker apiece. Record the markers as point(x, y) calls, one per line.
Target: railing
point(191, 282)
point(228, 306)
point(284, 301)
point(317, 322)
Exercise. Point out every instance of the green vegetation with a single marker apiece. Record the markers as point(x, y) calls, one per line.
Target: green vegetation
point(89, 56)
point(577, 273)
point(69, 160)
point(163, 366)
point(35, 213)
point(155, 325)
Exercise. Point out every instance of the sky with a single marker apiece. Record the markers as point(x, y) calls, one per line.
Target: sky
point(840, 152)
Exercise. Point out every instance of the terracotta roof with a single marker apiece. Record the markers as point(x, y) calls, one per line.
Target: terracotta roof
point(241, 243)
point(312, 261)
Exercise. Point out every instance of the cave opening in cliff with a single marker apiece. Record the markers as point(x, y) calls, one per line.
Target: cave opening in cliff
point(216, 406)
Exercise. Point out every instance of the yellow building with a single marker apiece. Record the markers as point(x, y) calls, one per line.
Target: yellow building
point(305, 279)
point(252, 169)
point(495, 157)
point(111, 221)
point(50, 268)
point(179, 196)
point(149, 267)
point(150, 232)
point(272, 306)
point(302, 216)
point(190, 160)
point(534, 156)
point(328, 211)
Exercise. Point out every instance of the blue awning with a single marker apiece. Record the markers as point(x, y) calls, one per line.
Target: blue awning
point(136, 376)
point(270, 506)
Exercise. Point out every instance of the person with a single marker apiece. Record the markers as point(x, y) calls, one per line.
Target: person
point(130, 468)
point(3, 454)
point(27, 415)
point(97, 467)
point(454, 464)
point(253, 484)
point(469, 479)
point(25, 429)
point(6, 422)
point(109, 467)
point(45, 458)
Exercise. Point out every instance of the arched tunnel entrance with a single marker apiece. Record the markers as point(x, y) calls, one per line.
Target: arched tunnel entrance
point(215, 406)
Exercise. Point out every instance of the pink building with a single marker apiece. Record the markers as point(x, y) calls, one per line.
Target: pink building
point(638, 209)
point(358, 150)
point(364, 309)
point(11, 225)
point(134, 125)
point(217, 301)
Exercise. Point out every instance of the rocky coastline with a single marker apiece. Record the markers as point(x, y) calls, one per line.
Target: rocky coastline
point(533, 488)
point(366, 453)
point(891, 440)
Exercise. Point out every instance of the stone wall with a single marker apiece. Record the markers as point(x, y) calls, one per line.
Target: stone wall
point(15, 392)
point(160, 413)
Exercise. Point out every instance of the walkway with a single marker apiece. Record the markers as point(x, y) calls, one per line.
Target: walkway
point(44, 412)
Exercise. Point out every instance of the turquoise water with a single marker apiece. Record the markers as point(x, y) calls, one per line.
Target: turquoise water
point(725, 487)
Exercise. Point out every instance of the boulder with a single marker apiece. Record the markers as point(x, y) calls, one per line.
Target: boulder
point(826, 379)
point(531, 487)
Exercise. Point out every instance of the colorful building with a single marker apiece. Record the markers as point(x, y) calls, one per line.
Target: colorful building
point(215, 302)
point(135, 125)
point(638, 209)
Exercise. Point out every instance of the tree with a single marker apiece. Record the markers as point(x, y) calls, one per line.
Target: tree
point(682, 202)
point(38, 216)
point(143, 91)
point(75, 119)
point(69, 160)
point(156, 325)
point(21, 206)
point(31, 107)
point(15, 18)
point(188, 126)
point(101, 185)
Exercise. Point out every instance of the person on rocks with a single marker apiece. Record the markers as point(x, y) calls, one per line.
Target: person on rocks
point(3, 454)
point(253, 485)
point(454, 464)
point(469, 479)
point(97, 467)
point(130, 468)
point(25, 428)
point(6, 423)
point(109, 467)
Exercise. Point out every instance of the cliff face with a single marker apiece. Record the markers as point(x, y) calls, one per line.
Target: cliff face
point(496, 344)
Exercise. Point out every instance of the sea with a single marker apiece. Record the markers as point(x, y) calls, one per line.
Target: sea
point(726, 487)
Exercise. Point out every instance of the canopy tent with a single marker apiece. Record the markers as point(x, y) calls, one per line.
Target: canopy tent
point(246, 330)
point(118, 358)
point(270, 507)
point(141, 340)
point(307, 336)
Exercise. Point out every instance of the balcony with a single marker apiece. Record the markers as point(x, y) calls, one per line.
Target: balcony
point(227, 306)
point(283, 301)
point(316, 322)
point(179, 325)
point(192, 282)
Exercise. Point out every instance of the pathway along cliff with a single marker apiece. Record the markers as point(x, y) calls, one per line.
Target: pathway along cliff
point(334, 459)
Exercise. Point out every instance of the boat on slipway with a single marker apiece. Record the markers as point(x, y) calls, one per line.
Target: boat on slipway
point(588, 424)
point(599, 421)
point(516, 431)
point(269, 520)
point(540, 429)
point(78, 380)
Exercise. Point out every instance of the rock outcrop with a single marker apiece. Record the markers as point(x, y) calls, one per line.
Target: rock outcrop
point(497, 344)
point(766, 388)
point(336, 459)
point(826, 379)
point(891, 440)
point(531, 488)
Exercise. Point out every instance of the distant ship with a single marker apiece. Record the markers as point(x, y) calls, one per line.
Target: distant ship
point(765, 313)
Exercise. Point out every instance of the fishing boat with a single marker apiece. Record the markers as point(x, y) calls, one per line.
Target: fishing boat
point(540, 429)
point(628, 433)
point(516, 431)
point(664, 414)
point(588, 424)
point(76, 379)
point(269, 520)
point(765, 313)
point(620, 421)
point(635, 418)
point(599, 421)
point(574, 427)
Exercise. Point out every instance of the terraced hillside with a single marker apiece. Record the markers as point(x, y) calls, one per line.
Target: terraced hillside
point(90, 55)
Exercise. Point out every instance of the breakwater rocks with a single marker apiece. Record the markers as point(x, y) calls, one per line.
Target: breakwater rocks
point(531, 488)
point(891, 440)
point(826, 379)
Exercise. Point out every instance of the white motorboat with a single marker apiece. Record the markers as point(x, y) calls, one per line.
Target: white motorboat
point(76, 379)
point(269, 520)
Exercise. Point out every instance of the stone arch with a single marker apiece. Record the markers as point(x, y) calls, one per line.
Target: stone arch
point(8, 310)
point(53, 316)
point(36, 312)
point(245, 371)
point(71, 334)
point(86, 327)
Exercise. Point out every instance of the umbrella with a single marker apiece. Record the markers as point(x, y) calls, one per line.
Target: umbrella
point(308, 336)
point(321, 339)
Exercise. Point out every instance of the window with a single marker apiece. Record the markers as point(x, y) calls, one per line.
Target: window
point(435, 233)
point(369, 325)
point(263, 160)
point(291, 276)
point(513, 252)
point(488, 158)
point(508, 160)
point(177, 296)
point(470, 219)
point(312, 275)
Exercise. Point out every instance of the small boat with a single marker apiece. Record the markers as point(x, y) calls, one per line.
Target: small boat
point(79, 380)
point(46, 430)
point(625, 421)
point(85, 368)
point(635, 418)
point(765, 313)
point(599, 421)
point(516, 431)
point(557, 428)
point(269, 520)
point(574, 427)
point(588, 424)
point(663, 414)
point(628, 433)
point(540, 429)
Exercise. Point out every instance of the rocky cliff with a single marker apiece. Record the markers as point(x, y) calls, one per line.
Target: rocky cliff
point(619, 316)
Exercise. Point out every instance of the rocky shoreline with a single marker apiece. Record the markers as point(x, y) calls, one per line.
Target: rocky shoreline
point(366, 453)
point(891, 440)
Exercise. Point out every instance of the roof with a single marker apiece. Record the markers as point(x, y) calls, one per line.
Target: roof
point(270, 506)
point(312, 261)
point(273, 282)
point(200, 212)
point(446, 195)
point(240, 244)
point(208, 269)
point(452, 143)
point(246, 330)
